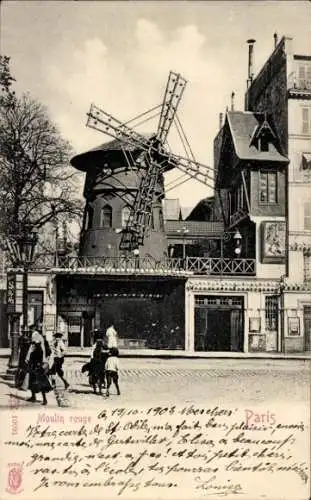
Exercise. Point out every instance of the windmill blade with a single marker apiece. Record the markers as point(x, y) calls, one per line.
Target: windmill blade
point(193, 169)
point(141, 211)
point(103, 122)
point(174, 90)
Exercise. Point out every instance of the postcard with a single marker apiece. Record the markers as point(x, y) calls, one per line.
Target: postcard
point(155, 250)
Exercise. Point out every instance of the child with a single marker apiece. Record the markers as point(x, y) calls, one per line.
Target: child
point(58, 350)
point(112, 370)
point(97, 366)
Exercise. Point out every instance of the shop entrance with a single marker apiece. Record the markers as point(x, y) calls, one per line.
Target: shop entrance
point(146, 312)
point(219, 323)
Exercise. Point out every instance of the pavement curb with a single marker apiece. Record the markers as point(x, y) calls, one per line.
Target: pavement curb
point(192, 356)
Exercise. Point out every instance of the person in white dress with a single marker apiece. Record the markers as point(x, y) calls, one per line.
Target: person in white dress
point(112, 337)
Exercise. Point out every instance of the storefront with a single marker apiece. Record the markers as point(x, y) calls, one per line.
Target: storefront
point(147, 312)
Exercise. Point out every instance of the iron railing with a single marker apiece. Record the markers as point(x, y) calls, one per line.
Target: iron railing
point(301, 84)
point(221, 266)
point(148, 265)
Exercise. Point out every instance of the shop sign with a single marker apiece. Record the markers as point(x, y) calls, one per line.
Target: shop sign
point(14, 293)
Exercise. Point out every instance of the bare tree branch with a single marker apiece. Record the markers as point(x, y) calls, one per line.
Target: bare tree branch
point(37, 183)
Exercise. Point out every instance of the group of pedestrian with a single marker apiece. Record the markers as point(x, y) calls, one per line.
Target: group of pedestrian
point(103, 368)
point(39, 363)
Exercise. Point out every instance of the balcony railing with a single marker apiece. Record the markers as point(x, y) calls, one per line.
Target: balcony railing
point(216, 266)
point(299, 84)
point(221, 266)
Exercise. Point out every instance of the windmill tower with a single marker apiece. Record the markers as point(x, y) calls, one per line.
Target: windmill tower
point(124, 184)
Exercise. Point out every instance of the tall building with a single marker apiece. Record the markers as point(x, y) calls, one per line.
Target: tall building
point(283, 89)
point(263, 174)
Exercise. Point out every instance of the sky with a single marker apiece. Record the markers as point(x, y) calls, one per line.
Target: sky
point(68, 54)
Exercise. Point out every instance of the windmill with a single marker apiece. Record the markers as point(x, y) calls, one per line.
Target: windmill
point(154, 160)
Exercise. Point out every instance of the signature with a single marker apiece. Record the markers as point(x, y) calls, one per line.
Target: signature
point(211, 487)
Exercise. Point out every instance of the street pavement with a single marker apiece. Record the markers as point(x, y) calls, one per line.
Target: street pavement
point(149, 381)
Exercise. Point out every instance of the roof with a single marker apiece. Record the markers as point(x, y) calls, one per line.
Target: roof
point(171, 209)
point(243, 126)
point(81, 160)
point(203, 210)
point(191, 229)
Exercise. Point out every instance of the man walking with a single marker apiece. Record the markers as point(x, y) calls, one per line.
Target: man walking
point(58, 350)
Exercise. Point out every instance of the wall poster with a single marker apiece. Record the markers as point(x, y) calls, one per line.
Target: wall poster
point(273, 236)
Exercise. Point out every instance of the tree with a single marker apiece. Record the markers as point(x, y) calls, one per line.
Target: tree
point(37, 185)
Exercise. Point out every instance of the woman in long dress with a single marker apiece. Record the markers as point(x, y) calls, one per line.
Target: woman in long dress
point(38, 369)
point(112, 337)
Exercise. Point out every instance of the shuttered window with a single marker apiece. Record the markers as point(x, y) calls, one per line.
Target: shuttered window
point(306, 120)
point(304, 76)
point(268, 187)
point(307, 216)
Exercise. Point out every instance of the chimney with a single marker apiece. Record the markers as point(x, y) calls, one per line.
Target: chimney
point(232, 101)
point(250, 75)
point(275, 36)
point(220, 120)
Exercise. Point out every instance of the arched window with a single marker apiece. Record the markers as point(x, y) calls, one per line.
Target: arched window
point(151, 220)
point(106, 216)
point(125, 216)
point(89, 218)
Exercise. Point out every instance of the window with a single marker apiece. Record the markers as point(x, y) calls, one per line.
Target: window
point(271, 312)
point(307, 216)
point(268, 187)
point(304, 76)
point(89, 217)
point(264, 142)
point(106, 216)
point(151, 220)
point(307, 267)
point(306, 120)
point(35, 307)
point(125, 216)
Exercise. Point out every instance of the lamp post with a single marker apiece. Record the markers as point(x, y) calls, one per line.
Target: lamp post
point(21, 250)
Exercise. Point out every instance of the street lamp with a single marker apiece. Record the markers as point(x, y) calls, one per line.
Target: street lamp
point(238, 243)
point(237, 238)
point(136, 257)
point(21, 250)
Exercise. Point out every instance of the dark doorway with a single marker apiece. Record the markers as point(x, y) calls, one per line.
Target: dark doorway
point(219, 324)
point(307, 327)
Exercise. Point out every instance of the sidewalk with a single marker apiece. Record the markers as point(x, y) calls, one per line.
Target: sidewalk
point(172, 354)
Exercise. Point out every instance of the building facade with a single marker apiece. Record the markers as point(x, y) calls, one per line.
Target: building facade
point(236, 275)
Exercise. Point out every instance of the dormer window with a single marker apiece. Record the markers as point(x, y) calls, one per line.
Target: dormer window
point(263, 143)
point(262, 136)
